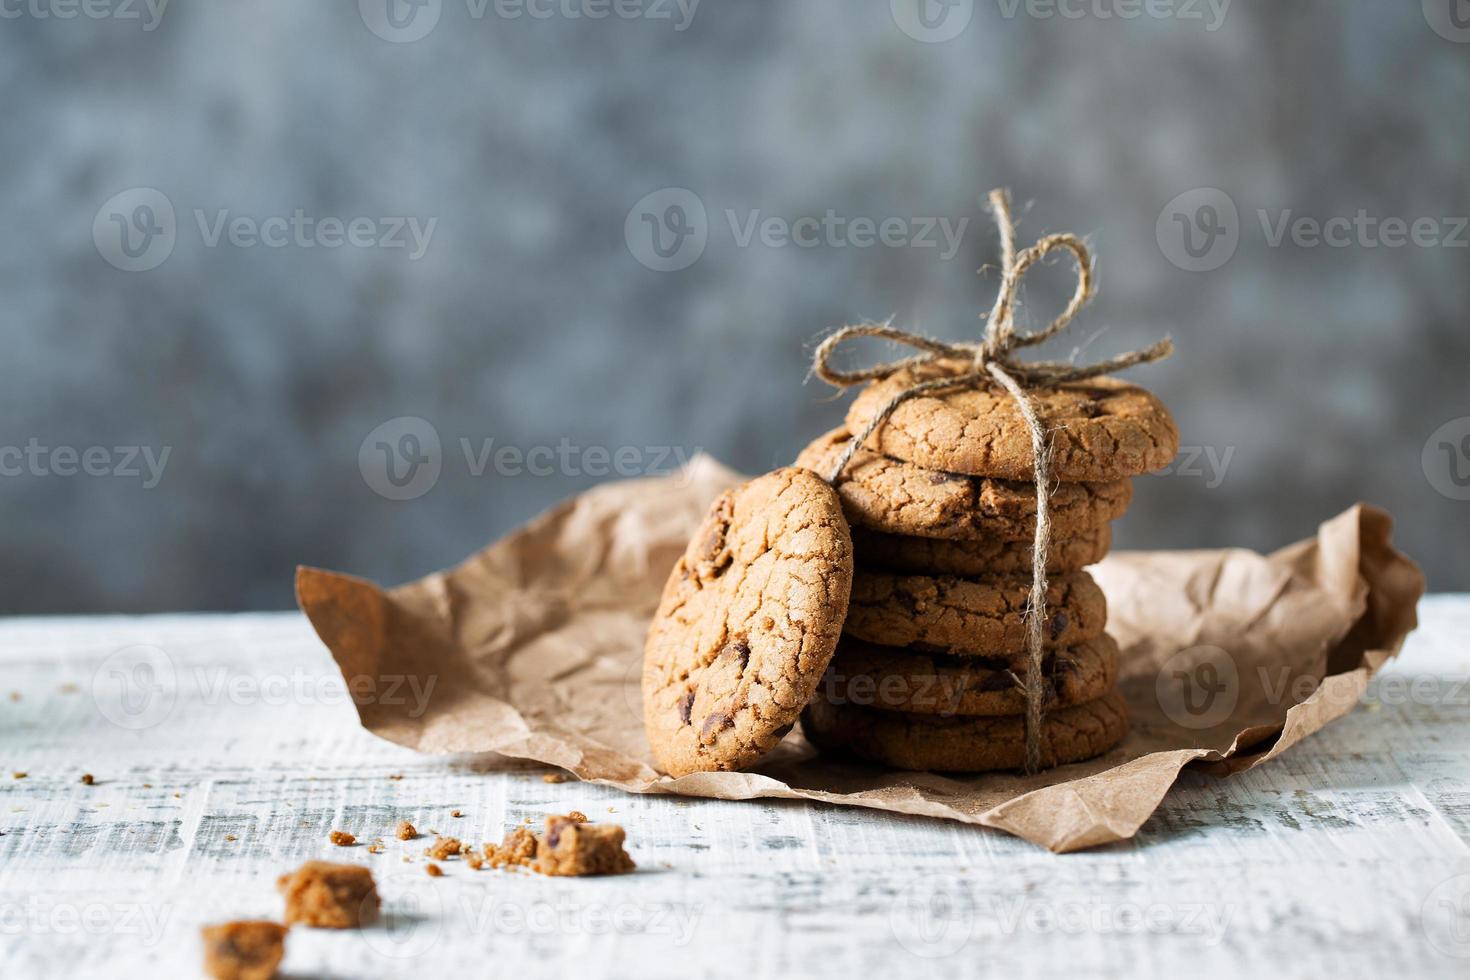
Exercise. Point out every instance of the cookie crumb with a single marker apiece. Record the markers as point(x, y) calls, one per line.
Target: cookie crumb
point(406, 830)
point(329, 896)
point(433, 870)
point(245, 950)
point(375, 848)
point(444, 847)
point(517, 850)
point(573, 847)
point(87, 779)
point(15, 695)
point(473, 860)
point(554, 777)
point(231, 837)
point(69, 688)
point(578, 816)
point(19, 775)
point(342, 838)
point(396, 776)
point(455, 813)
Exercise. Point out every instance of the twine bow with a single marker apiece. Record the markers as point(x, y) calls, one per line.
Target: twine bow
point(993, 360)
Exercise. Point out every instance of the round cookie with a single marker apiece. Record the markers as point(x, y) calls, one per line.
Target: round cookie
point(989, 557)
point(890, 679)
point(1100, 429)
point(924, 742)
point(887, 494)
point(748, 621)
point(970, 617)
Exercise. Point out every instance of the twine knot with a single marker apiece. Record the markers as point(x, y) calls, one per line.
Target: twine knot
point(994, 360)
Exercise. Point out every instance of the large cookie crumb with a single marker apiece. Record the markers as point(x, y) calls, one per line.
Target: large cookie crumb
point(329, 896)
point(243, 950)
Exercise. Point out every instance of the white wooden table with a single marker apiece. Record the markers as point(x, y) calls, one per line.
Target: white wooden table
point(1349, 857)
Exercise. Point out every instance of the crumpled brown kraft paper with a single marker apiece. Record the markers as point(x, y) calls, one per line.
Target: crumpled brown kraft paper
point(533, 649)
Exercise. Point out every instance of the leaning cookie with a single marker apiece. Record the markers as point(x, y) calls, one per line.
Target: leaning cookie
point(970, 617)
point(887, 494)
point(987, 557)
point(1102, 429)
point(890, 679)
point(748, 622)
point(925, 742)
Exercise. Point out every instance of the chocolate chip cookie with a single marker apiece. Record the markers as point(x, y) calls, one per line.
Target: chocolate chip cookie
point(926, 742)
point(980, 557)
point(748, 622)
point(1101, 429)
point(890, 679)
point(970, 617)
point(887, 494)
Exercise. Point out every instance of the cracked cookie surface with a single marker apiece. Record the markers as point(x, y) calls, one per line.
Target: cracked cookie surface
point(891, 679)
point(1101, 429)
point(987, 557)
point(970, 617)
point(749, 619)
point(887, 494)
point(924, 742)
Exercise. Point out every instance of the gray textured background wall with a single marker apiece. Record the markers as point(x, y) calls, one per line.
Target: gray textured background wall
point(1309, 375)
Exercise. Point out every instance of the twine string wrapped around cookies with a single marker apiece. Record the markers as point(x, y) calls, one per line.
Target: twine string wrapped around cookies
point(993, 361)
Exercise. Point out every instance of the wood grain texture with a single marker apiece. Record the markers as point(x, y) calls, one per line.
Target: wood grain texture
point(1349, 856)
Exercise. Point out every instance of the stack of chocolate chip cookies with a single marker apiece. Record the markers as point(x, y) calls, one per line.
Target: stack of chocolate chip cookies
point(930, 669)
